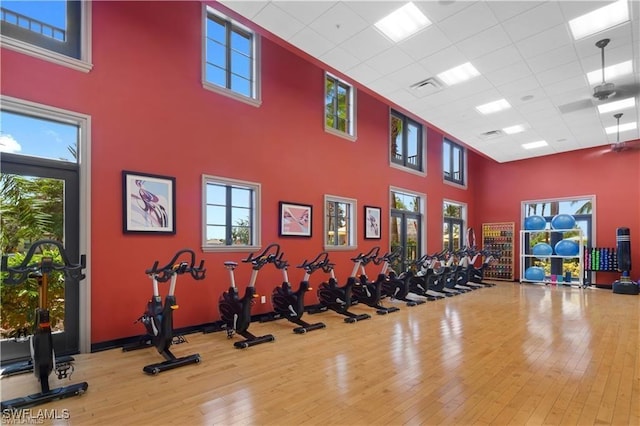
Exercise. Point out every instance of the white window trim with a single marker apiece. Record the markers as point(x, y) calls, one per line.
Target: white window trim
point(394, 165)
point(351, 135)
point(83, 64)
point(83, 122)
point(257, 216)
point(423, 211)
point(464, 167)
point(353, 223)
point(257, 89)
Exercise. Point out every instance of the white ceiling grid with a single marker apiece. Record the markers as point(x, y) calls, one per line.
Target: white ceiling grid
point(523, 50)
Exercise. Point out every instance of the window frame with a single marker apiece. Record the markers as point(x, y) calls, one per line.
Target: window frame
point(450, 220)
point(255, 214)
point(421, 214)
point(350, 134)
point(448, 144)
point(26, 42)
point(420, 167)
point(230, 25)
point(353, 223)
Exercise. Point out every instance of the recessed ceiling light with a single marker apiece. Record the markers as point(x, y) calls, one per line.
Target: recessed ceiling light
point(532, 145)
point(403, 22)
point(617, 105)
point(494, 106)
point(623, 128)
point(512, 130)
point(610, 72)
point(599, 19)
point(459, 74)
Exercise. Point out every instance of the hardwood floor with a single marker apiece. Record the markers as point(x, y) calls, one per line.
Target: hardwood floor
point(511, 354)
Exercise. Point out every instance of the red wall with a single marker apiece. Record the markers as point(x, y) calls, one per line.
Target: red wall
point(150, 114)
point(614, 178)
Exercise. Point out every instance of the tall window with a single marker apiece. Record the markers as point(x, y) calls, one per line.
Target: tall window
point(407, 211)
point(406, 142)
point(453, 162)
point(231, 213)
point(230, 57)
point(339, 106)
point(340, 222)
point(55, 30)
point(453, 226)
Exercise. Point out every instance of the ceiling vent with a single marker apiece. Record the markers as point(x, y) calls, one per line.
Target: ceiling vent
point(491, 134)
point(428, 86)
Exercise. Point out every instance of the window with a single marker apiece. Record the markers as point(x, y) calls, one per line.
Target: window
point(53, 30)
point(453, 162)
point(339, 222)
point(231, 213)
point(406, 142)
point(453, 226)
point(230, 63)
point(407, 212)
point(339, 107)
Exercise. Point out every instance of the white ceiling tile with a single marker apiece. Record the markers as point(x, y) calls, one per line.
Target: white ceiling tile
point(389, 61)
point(540, 18)
point(363, 73)
point(248, 9)
point(425, 43)
point(552, 58)
point(509, 73)
point(409, 75)
point(303, 10)
point(339, 59)
point(311, 42)
point(401, 96)
point(544, 41)
point(573, 9)
point(275, 19)
point(484, 42)
point(373, 11)
point(366, 44)
point(443, 60)
point(439, 10)
point(468, 22)
point(339, 23)
point(526, 85)
point(560, 73)
point(504, 10)
point(498, 59)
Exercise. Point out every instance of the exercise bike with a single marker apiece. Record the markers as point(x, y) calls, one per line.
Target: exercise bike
point(289, 304)
point(235, 310)
point(158, 318)
point(398, 286)
point(370, 292)
point(41, 342)
point(336, 298)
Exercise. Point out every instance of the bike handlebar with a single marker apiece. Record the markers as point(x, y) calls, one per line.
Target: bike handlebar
point(20, 273)
point(321, 261)
point(364, 259)
point(389, 257)
point(178, 268)
point(265, 257)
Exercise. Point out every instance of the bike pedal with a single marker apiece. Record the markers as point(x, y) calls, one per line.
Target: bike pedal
point(179, 339)
point(64, 370)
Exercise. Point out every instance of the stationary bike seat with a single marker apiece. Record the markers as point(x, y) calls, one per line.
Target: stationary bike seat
point(230, 263)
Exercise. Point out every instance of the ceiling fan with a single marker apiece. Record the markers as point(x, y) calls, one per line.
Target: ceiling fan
point(623, 146)
point(605, 91)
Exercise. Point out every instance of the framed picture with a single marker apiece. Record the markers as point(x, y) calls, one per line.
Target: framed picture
point(295, 219)
point(148, 203)
point(372, 222)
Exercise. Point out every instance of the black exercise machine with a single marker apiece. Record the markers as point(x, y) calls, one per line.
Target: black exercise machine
point(158, 318)
point(289, 304)
point(43, 360)
point(370, 292)
point(235, 310)
point(398, 286)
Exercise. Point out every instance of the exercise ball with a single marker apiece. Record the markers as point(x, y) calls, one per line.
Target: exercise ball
point(563, 221)
point(542, 249)
point(534, 223)
point(534, 273)
point(567, 248)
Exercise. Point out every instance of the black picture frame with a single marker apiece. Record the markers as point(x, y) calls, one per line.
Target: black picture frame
point(295, 219)
point(148, 203)
point(372, 222)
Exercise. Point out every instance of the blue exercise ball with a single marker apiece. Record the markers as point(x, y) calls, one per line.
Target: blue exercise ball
point(563, 221)
point(542, 249)
point(535, 223)
point(534, 273)
point(567, 248)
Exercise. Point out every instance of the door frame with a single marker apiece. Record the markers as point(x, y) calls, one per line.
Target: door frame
point(83, 121)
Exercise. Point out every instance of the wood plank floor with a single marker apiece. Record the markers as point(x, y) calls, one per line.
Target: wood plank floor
point(511, 354)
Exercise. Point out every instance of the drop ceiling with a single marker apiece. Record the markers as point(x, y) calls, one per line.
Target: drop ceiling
point(524, 51)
